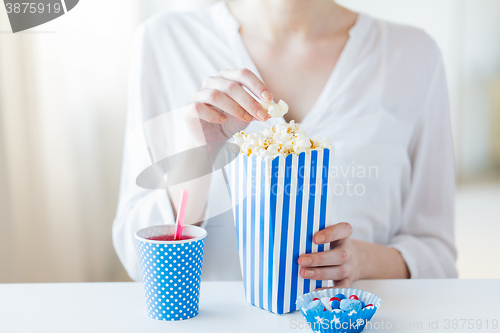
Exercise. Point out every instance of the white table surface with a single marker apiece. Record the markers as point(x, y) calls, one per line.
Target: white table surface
point(120, 307)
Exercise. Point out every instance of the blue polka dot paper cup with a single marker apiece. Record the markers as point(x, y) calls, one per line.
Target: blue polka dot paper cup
point(338, 321)
point(171, 271)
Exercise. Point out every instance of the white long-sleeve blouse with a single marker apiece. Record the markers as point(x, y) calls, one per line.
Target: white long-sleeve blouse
point(384, 106)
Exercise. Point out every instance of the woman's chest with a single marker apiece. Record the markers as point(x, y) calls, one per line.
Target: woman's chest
point(297, 73)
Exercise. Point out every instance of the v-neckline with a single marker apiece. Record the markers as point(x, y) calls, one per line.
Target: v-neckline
point(350, 48)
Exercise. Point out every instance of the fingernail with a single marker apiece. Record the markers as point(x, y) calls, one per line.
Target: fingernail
point(320, 239)
point(308, 273)
point(248, 116)
point(262, 114)
point(266, 95)
point(305, 261)
point(223, 119)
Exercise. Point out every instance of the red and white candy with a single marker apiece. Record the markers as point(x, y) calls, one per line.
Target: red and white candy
point(326, 302)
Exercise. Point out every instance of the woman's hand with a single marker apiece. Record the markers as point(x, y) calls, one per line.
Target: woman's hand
point(222, 107)
point(349, 260)
point(218, 110)
point(340, 264)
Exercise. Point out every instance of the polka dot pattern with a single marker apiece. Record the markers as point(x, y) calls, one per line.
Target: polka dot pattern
point(172, 274)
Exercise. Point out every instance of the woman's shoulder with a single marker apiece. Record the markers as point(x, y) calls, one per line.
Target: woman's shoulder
point(193, 22)
point(402, 40)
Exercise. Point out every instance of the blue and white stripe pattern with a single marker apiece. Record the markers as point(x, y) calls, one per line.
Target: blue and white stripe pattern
point(278, 205)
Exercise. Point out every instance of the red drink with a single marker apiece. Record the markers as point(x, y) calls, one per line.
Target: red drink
point(168, 238)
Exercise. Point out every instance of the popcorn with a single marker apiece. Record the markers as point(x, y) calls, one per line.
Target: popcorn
point(276, 109)
point(279, 140)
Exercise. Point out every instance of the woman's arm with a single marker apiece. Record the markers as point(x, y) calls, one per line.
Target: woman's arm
point(426, 236)
point(139, 207)
point(155, 133)
point(423, 247)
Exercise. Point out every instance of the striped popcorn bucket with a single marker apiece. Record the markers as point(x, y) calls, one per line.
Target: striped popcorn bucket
point(278, 204)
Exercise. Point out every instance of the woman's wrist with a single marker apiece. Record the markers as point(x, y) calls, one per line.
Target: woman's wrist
point(379, 261)
point(362, 264)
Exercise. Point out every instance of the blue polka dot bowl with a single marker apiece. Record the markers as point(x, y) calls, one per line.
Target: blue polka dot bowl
point(334, 320)
point(171, 271)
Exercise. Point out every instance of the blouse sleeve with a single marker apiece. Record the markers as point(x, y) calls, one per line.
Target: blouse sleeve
point(139, 207)
point(426, 237)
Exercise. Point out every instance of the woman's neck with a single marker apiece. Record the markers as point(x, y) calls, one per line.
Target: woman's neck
point(278, 20)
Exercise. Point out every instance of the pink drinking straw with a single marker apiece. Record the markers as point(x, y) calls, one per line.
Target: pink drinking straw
point(179, 224)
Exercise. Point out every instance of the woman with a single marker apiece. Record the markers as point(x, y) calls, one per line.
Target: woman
point(376, 89)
